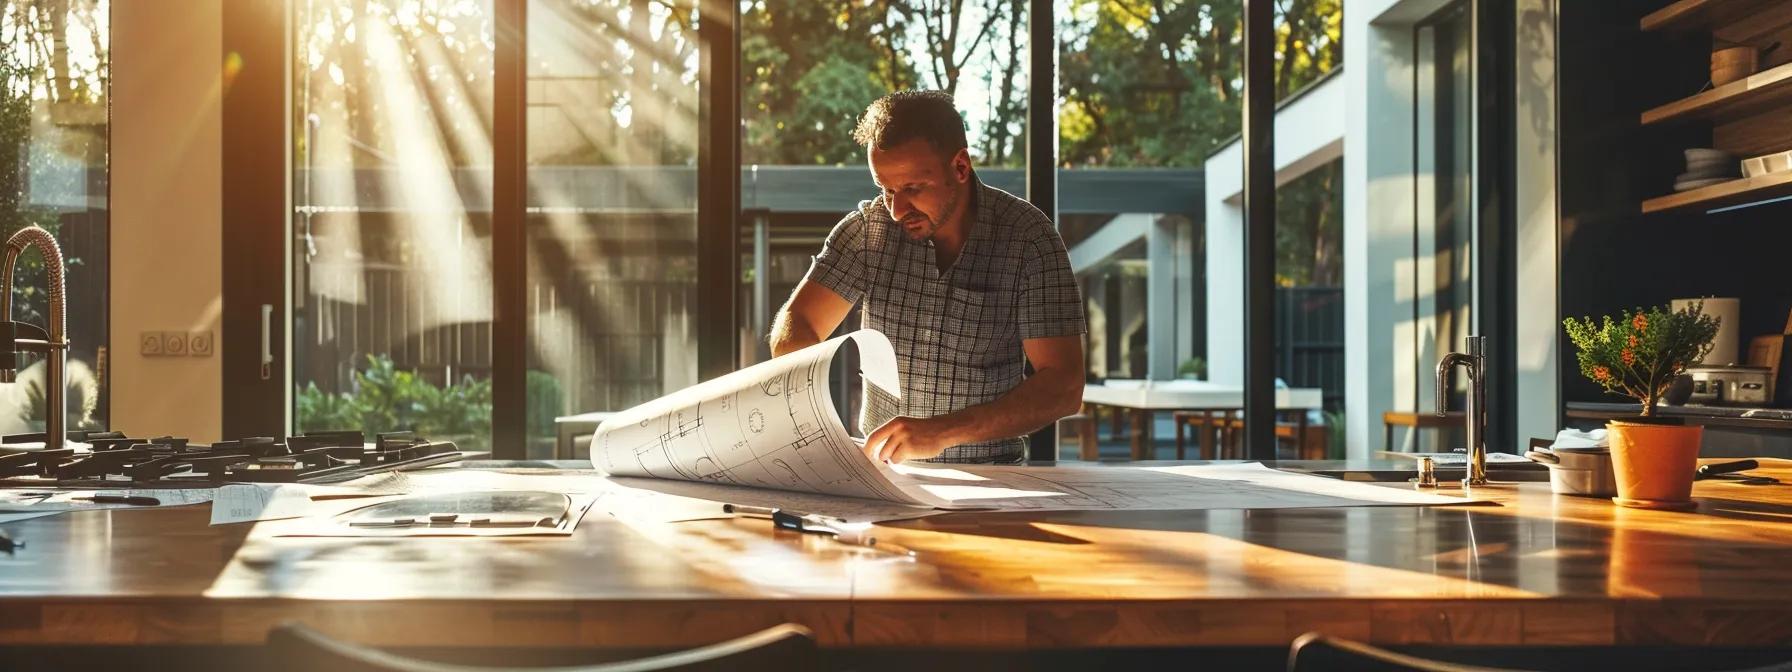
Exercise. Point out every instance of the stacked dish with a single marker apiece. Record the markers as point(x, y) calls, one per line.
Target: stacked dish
point(1706, 167)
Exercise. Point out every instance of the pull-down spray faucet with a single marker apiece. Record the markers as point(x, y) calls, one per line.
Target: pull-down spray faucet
point(17, 337)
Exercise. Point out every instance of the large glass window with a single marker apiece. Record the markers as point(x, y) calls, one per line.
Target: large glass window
point(809, 68)
point(1442, 279)
point(392, 157)
point(54, 83)
point(1149, 92)
point(612, 216)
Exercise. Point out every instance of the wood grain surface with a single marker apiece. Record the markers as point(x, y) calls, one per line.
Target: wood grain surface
point(1541, 569)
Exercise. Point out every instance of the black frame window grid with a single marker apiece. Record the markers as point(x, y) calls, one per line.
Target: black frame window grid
point(257, 199)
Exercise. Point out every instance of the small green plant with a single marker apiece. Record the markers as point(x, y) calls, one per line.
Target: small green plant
point(1640, 353)
point(385, 398)
point(545, 403)
point(1334, 435)
point(320, 410)
point(1193, 367)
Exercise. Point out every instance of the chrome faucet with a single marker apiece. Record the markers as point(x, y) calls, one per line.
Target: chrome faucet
point(16, 337)
point(1475, 360)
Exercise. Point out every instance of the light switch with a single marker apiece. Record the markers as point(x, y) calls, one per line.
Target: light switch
point(150, 343)
point(174, 343)
point(199, 344)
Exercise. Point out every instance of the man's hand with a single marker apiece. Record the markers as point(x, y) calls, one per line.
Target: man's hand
point(908, 439)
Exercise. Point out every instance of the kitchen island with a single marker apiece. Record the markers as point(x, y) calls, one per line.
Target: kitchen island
point(1538, 569)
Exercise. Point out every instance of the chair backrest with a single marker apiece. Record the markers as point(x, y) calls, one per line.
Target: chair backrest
point(782, 648)
point(1314, 652)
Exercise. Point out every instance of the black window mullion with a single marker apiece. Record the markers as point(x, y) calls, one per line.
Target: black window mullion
point(718, 188)
point(1260, 222)
point(509, 238)
point(255, 202)
point(1042, 159)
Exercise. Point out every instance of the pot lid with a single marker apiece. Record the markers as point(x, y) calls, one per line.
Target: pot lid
point(1584, 450)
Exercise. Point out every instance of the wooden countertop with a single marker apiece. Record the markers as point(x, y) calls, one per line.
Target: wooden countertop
point(1541, 569)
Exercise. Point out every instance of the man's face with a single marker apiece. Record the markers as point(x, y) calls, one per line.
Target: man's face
point(921, 186)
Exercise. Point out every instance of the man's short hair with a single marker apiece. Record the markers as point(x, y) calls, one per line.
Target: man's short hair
point(906, 115)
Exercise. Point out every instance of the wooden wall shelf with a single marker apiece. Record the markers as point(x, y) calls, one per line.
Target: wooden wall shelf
point(1734, 192)
point(1763, 90)
point(1701, 15)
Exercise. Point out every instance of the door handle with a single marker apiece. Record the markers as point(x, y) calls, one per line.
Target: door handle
point(267, 341)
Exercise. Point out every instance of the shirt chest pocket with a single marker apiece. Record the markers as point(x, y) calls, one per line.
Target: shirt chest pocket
point(979, 319)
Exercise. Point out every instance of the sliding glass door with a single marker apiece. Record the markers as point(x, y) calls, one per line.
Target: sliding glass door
point(55, 86)
point(401, 282)
point(612, 238)
point(391, 223)
point(1443, 251)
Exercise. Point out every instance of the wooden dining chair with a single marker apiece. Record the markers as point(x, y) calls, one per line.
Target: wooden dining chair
point(783, 648)
point(1209, 425)
point(1315, 652)
point(1225, 428)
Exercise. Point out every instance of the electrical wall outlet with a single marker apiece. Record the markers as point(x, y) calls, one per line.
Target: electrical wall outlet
point(150, 343)
point(199, 344)
point(174, 343)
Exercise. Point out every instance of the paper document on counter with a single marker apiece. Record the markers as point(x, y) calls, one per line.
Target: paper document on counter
point(1247, 485)
point(772, 425)
point(37, 500)
point(768, 435)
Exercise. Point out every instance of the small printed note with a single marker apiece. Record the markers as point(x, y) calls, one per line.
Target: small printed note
point(246, 502)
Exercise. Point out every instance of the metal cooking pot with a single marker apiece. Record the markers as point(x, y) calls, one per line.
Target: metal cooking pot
point(1578, 471)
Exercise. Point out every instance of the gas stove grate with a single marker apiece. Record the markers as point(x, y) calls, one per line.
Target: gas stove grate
point(314, 457)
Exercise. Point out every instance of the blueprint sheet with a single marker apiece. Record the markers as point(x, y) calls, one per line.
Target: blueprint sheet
point(1050, 488)
point(771, 425)
point(768, 435)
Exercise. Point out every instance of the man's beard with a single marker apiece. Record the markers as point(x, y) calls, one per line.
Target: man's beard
point(932, 224)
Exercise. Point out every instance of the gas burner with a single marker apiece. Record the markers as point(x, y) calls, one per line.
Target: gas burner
point(314, 457)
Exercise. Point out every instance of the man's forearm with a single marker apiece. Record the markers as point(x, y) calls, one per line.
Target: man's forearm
point(790, 335)
point(1041, 399)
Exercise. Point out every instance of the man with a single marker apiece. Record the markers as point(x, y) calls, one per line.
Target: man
point(968, 282)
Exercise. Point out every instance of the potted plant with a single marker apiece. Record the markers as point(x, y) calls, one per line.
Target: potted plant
point(1639, 354)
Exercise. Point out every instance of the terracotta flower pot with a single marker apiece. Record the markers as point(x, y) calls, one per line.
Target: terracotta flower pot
point(1654, 463)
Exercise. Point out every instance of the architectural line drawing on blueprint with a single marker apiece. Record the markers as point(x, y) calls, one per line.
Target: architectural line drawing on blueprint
point(757, 435)
point(771, 425)
point(1247, 485)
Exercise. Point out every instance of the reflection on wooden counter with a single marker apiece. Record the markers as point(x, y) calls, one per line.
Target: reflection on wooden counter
point(1541, 569)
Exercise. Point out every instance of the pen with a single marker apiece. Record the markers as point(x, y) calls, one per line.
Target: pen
point(122, 499)
point(809, 524)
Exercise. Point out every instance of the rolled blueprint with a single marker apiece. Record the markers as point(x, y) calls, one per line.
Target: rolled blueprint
point(770, 425)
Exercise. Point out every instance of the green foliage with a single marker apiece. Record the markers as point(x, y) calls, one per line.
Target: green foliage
point(1193, 367)
point(1641, 352)
point(385, 398)
point(29, 294)
point(545, 403)
point(319, 410)
point(1310, 229)
point(809, 69)
point(1159, 82)
point(1335, 437)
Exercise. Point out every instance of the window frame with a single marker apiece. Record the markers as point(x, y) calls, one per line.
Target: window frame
point(257, 201)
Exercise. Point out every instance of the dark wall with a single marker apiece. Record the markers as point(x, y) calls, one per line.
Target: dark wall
point(1613, 256)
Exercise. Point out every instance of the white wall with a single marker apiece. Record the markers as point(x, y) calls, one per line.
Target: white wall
point(165, 226)
point(1378, 218)
point(1309, 134)
point(1535, 192)
point(1384, 341)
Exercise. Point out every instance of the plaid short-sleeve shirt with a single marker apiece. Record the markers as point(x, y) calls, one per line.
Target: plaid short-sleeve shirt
point(957, 333)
